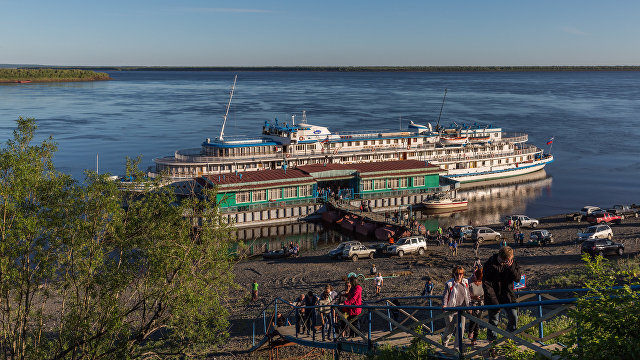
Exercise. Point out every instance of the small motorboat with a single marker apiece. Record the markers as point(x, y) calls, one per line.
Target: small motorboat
point(446, 203)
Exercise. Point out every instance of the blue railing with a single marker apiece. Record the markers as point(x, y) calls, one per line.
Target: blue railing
point(388, 324)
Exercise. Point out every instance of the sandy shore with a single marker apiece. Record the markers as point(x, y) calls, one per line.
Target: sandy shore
point(288, 278)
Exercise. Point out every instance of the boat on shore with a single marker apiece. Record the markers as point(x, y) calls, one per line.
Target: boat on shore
point(466, 153)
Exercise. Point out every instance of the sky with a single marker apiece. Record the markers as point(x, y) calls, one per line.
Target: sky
point(319, 33)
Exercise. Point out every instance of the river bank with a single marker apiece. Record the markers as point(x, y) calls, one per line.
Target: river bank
point(288, 278)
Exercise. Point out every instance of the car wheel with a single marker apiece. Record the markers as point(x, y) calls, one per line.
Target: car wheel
point(636, 214)
point(401, 253)
point(618, 222)
point(480, 239)
point(610, 236)
point(498, 238)
point(421, 251)
point(534, 225)
point(620, 251)
point(354, 257)
point(602, 222)
point(371, 255)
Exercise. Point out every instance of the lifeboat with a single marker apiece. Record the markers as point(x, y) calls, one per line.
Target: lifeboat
point(458, 140)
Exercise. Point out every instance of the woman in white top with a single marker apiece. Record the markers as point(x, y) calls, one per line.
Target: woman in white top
point(456, 293)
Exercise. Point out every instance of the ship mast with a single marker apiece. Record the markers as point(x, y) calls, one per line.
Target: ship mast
point(228, 105)
point(441, 106)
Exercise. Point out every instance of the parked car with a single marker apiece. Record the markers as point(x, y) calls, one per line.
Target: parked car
point(484, 233)
point(464, 229)
point(354, 252)
point(525, 221)
point(596, 232)
point(407, 245)
point(540, 238)
point(337, 252)
point(602, 217)
point(624, 211)
point(583, 213)
point(602, 247)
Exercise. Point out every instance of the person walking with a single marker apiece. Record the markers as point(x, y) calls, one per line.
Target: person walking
point(476, 247)
point(254, 291)
point(310, 312)
point(456, 293)
point(428, 287)
point(378, 280)
point(325, 315)
point(500, 272)
point(476, 294)
point(354, 297)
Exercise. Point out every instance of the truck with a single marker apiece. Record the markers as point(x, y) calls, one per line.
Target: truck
point(624, 211)
point(603, 217)
point(583, 213)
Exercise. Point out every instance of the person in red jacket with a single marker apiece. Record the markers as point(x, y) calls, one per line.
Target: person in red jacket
point(354, 297)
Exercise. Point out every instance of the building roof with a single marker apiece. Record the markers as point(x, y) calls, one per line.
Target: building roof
point(307, 174)
point(258, 179)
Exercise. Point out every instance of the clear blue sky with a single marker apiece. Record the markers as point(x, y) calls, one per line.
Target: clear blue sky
point(327, 32)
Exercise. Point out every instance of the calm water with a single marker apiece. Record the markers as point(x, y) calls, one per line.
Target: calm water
point(593, 117)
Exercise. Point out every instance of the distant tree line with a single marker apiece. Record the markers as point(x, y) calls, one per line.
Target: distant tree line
point(370, 68)
point(47, 74)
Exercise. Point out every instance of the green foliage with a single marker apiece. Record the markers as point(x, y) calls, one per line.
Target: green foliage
point(418, 349)
point(91, 271)
point(50, 74)
point(608, 319)
point(510, 351)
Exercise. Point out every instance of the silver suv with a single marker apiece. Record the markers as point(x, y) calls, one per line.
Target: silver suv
point(408, 245)
point(354, 252)
point(484, 233)
point(337, 252)
point(525, 221)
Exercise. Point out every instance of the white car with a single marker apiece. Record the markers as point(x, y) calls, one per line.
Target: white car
point(596, 232)
point(337, 252)
point(525, 221)
point(408, 245)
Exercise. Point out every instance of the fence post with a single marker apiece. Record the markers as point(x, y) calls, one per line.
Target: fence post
point(369, 334)
point(459, 335)
point(389, 316)
point(253, 333)
point(541, 325)
point(431, 314)
point(297, 321)
point(264, 321)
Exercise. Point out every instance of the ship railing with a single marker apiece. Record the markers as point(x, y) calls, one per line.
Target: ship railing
point(515, 137)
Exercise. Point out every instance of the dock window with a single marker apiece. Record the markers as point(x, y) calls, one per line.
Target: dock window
point(393, 183)
point(242, 197)
point(418, 181)
point(306, 190)
point(275, 194)
point(259, 195)
point(379, 184)
point(290, 192)
point(402, 182)
point(366, 185)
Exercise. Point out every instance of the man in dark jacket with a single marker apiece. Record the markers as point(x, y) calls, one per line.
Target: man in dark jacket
point(500, 271)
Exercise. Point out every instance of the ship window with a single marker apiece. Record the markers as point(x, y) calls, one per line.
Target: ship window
point(388, 141)
point(349, 143)
point(357, 143)
point(275, 194)
point(259, 195)
point(395, 141)
point(242, 197)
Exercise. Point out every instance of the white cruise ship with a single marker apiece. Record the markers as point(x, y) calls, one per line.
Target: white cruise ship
point(466, 153)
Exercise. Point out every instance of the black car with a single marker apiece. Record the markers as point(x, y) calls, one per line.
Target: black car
point(465, 229)
point(602, 247)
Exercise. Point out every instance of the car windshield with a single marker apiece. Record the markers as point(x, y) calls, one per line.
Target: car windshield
point(404, 241)
point(591, 230)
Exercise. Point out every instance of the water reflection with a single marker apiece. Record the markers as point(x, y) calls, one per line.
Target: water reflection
point(489, 202)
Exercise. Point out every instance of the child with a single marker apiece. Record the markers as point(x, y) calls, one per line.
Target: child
point(378, 283)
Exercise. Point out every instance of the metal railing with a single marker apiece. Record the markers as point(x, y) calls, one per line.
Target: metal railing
point(384, 319)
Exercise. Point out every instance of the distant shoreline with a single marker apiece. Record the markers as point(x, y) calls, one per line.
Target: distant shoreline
point(364, 68)
point(28, 75)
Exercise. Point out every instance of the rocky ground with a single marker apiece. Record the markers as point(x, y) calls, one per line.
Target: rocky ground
point(288, 278)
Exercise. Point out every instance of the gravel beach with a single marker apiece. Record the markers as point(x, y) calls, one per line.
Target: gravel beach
point(312, 270)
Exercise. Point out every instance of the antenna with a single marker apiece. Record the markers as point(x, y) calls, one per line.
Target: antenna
point(228, 105)
point(441, 106)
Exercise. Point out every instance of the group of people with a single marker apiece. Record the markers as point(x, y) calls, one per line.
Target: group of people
point(310, 318)
point(336, 193)
point(490, 284)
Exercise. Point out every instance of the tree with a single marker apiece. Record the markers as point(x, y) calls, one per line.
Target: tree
point(123, 273)
point(608, 316)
